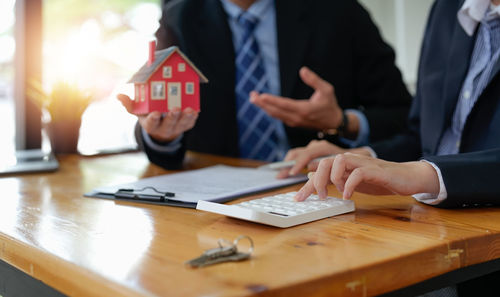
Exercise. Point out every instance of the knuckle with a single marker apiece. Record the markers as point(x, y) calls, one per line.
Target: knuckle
point(291, 154)
point(324, 163)
point(317, 182)
point(340, 158)
point(333, 177)
point(328, 89)
point(336, 180)
point(360, 172)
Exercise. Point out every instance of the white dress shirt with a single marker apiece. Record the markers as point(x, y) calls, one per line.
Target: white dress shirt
point(469, 17)
point(473, 11)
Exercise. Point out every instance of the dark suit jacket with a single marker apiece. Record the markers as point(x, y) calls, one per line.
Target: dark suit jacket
point(470, 178)
point(336, 39)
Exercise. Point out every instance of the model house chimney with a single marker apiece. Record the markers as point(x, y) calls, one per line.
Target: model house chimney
point(152, 46)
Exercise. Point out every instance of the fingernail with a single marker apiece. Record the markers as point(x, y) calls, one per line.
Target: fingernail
point(310, 175)
point(298, 196)
point(292, 172)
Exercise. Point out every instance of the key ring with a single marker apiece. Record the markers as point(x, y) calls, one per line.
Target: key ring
point(235, 242)
point(223, 241)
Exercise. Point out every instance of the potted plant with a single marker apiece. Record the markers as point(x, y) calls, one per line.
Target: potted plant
point(65, 105)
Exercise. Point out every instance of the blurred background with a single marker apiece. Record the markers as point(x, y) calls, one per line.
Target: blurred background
point(97, 45)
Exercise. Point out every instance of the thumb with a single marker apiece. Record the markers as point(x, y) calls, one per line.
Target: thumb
point(126, 101)
point(314, 81)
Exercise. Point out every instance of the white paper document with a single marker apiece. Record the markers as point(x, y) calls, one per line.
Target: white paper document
point(214, 183)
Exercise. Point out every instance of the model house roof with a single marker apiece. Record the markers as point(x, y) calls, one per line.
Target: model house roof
point(161, 56)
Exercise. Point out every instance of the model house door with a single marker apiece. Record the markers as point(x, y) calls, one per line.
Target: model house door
point(174, 95)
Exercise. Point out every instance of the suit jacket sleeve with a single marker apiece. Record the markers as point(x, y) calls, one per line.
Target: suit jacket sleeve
point(384, 97)
point(166, 160)
point(471, 179)
point(405, 146)
point(166, 37)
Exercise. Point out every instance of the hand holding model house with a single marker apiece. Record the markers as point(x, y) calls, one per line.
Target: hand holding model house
point(167, 94)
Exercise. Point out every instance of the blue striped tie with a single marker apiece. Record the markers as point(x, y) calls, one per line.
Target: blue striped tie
point(257, 131)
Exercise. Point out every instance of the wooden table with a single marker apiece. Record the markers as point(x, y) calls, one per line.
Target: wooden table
point(95, 247)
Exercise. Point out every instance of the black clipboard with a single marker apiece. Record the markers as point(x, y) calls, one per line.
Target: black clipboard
point(222, 184)
point(166, 201)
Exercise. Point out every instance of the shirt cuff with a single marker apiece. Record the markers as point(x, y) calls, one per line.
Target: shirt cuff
point(363, 133)
point(169, 148)
point(433, 199)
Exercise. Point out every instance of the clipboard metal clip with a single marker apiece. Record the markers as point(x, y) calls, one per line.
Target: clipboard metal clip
point(136, 194)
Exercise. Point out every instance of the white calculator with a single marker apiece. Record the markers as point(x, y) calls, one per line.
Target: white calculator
point(281, 210)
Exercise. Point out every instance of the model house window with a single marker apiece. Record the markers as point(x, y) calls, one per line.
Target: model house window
point(143, 93)
point(181, 67)
point(157, 90)
point(167, 72)
point(173, 90)
point(189, 88)
point(137, 93)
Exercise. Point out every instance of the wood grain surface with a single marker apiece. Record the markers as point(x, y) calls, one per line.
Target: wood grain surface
point(97, 247)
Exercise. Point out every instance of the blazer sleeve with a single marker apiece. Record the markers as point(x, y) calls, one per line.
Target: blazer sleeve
point(166, 37)
point(166, 160)
point(405, 146)
point(471, 179)
point(383, 95)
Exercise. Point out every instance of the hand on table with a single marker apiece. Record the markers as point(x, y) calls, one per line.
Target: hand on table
point(304, 156)
point(163, 128)
point(320, 112)
point(351, 172)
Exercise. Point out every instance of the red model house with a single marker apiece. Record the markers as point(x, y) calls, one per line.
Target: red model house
point(168, 80)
